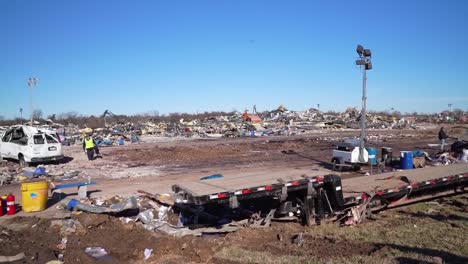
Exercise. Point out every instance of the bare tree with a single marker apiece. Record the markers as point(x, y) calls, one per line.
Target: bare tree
point(457, 113)
point(37, 114)
point(396, 114)
point(70, 117)
point(153, 113)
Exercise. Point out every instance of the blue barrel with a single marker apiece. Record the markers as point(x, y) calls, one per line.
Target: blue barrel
point(406, 160)
point(372, 152)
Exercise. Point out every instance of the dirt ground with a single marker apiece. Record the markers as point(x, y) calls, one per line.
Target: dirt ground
point(155, 165)
point(431, 232)
point(422, 232)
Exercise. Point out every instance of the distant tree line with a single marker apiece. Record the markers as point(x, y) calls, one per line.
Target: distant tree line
point(93, 121)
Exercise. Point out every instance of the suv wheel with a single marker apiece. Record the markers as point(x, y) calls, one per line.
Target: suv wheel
point(22, 162)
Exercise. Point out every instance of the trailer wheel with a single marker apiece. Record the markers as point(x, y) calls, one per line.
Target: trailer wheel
point(309, 216)
point(22, 162)
point(335, 163)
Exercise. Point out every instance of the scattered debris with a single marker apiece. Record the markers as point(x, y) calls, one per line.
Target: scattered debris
point(63, 244)
point(4, 259)
point(130, 203)
point(98, 253)
point(298, 239)
point(147, 253)
point(67, 226)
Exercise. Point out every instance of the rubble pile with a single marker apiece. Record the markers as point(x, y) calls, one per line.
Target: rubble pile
point(8, 172)
point(315, 119)
point(153, 212)
point(280, 121)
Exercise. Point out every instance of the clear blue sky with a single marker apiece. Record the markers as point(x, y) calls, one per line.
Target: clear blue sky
point(188, 56)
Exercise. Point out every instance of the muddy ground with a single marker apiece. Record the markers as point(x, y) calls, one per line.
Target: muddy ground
point(411, 234)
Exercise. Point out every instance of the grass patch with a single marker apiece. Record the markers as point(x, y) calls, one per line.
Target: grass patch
point(427, 225)
point(239, 255)
point(418, 233)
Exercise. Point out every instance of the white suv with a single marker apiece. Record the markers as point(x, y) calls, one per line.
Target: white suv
point(30, 145)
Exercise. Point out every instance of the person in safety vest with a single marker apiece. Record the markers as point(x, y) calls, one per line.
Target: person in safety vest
point(90, 146)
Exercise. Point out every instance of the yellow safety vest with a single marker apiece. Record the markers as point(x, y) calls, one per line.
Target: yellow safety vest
point(89, 144)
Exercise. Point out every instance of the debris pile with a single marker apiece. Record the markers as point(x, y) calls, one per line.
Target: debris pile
point(8, 172)
point(157, 213)
point(280, 121)
point(12, 172)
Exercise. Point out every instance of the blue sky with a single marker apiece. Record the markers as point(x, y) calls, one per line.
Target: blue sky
point(194, 56)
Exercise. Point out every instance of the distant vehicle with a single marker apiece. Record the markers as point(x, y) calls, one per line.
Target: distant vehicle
point(347, 155)
point(30, 145)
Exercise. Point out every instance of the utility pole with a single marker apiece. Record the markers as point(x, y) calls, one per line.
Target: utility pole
point(21, 115)
point(365, 64)
point(32, 82)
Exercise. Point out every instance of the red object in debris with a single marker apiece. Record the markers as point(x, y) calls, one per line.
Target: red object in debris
point(10, 204)
point(251, 118)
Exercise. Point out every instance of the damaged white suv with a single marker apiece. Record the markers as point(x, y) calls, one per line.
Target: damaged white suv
point(30, 145)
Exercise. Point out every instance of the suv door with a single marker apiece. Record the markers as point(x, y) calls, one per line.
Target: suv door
point(38, 145)
point(19, 144)
point(54, 147)
point(7, 146)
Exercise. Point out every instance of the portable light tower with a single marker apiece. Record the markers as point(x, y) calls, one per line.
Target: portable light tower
point(365, 63)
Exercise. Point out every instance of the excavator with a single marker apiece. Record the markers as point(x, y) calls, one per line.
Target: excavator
point(108, 113)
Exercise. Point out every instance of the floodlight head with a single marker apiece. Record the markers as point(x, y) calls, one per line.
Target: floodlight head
point(359, 49)
point(361, 62)
point(367, 53)
point(369, 66)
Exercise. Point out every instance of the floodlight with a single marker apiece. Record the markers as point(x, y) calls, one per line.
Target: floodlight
point(360, 62)
point(359, 49)
point(369, 66)
point(367, 53)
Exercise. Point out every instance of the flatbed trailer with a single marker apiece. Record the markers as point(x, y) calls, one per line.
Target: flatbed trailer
point(315, 194)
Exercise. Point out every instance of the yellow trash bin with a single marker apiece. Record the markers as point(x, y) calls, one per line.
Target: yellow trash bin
point(34, 196)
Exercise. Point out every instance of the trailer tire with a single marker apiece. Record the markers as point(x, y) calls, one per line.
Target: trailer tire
point(336, 161)
point(309, 216)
